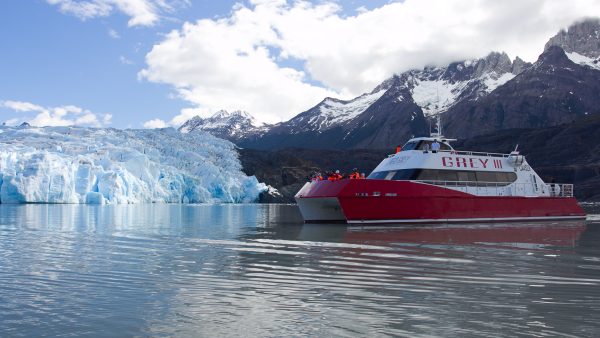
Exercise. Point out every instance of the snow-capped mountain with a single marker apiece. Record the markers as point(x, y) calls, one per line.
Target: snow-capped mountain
point(231, 126)
point(560, 87)
point(85, 165)
point(491, 93)
point(436, 89)
point(581, 42)
point(332, 112)
point(554, 90)
point(393, 111)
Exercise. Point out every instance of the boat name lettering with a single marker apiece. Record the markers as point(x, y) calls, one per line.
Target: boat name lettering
point(465, 162)
point(525, 168)
point(399, 159)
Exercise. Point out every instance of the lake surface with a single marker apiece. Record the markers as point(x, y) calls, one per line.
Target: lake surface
point(256, 270)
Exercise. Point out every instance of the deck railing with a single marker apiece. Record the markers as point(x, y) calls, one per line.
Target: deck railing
point(560, 190)
point(506, 188)
point(476, 153)
point(461, 152)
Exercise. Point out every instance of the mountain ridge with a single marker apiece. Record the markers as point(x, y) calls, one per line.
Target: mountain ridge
point(491, 93)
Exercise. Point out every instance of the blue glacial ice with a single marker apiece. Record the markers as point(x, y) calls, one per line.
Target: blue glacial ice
point(108, 166)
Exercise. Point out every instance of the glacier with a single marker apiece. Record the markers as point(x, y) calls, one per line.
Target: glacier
point(112, 166)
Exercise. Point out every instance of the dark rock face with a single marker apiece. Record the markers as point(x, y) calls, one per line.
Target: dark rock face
point(552, 91)
point(582, 38)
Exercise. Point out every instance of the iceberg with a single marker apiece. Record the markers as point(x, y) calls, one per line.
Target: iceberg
point(112, 166)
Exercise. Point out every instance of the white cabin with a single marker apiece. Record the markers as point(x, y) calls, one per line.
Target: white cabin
point(476, 173)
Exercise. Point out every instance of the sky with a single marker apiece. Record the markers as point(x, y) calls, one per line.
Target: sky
point(157, 63)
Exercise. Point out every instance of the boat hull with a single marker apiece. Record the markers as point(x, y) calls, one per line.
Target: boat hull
point(379, 201)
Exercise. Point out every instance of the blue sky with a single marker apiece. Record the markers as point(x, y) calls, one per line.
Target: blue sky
point(53, 59)
point(57, 67)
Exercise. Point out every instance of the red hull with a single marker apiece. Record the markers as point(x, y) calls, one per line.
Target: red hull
point(380, 201)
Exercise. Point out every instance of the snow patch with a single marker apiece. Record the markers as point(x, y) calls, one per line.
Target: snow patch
point(492, 83)
point(108, 166)
point(334, 112)
point(584, 60)
point(436, 96)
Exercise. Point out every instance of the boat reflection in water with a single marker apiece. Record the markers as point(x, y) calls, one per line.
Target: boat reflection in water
point(526, 234)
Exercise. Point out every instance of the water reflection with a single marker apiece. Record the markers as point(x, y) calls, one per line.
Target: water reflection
point(256, 270)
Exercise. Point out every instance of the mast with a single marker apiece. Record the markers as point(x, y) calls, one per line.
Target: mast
point(438, 123)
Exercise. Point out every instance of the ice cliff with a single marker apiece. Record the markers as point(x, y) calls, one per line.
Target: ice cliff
point(84, 165)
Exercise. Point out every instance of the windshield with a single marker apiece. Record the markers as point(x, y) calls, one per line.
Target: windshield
point(410, 145)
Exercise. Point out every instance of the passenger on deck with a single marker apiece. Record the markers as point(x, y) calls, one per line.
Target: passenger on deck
point(435, 146)
point(334, 176)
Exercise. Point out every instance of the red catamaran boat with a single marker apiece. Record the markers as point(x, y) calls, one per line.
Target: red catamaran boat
point(419, 185)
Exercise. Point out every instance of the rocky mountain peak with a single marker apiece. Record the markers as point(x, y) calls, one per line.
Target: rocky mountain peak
point(495, 62)
point(229, 125)
point(553, 56)
point(582, 38)
point(519, 65)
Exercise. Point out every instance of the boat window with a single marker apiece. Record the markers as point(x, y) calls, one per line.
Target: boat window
point(466, 176)
point(445, 146)
point(428, 175)
point(447, 175)
point(506, 177)
point(390, 175)
point(410, 145)
point(379, 175)
point(404, 174)
point(486, 176)
point(424, 145)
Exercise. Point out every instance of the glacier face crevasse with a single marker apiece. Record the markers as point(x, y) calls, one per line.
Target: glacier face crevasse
point(85, 165)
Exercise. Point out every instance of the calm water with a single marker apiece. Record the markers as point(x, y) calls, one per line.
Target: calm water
point(256, 270)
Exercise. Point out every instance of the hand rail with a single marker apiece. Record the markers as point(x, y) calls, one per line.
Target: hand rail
point(560, 189)
point(476, 153)
point(460, 152)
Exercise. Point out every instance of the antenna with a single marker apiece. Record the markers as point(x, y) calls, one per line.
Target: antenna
point(438, 124)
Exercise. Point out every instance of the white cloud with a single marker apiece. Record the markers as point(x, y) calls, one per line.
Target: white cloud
point(21, 106)
point(68, 115)
point(184, 115)
point(141, 12)
point(114, 34)
point(275, 58)
point(125, 60)
point(156, 123)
